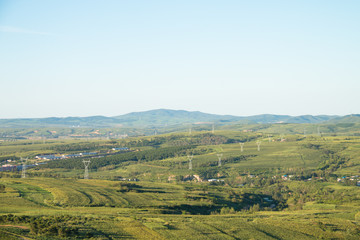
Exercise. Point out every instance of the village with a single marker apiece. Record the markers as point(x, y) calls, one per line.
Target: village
point(17, 165)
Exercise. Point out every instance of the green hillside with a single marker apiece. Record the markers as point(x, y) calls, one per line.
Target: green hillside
point(279, 186)
point(353, 118)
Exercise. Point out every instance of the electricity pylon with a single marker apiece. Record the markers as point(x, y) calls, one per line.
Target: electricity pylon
point(241, 147)
point(86, 163)
point(219, 156)
point(258, 145)
point(190, 157)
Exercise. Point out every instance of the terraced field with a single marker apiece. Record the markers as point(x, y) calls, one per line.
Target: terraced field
point(109, 212)
point(249, 199)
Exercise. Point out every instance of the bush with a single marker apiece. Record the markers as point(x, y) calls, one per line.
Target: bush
point(227, 210)
point(2, 188)
point(127, 187)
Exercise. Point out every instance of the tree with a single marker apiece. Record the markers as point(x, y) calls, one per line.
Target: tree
point(2, 188)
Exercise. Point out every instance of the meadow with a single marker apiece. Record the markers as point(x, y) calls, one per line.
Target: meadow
point(295, 187)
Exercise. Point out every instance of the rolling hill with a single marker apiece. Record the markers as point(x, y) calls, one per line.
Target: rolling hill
point(167, 117)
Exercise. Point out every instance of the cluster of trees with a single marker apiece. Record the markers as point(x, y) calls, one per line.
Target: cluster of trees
point(232, 200)
point(2, 188)
point(52, 226)
point(249, 200)
point(312, 146)
point(179, 140)
point(332, 160)
point(230, 210)
point(127, 187)
point(233, 159)
point(84, 146)
point(4, 158)
point(15, 174)
point(295, 195)
point(14, 219)
point(237, 159)
point(152, 142)
point(208, 139)
point(207, 173)
point(147, 155)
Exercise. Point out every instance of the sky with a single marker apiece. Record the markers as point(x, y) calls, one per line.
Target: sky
point(83, 58)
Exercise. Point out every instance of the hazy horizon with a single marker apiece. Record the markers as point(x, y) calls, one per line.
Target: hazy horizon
point(98, 115)
point(241, 58)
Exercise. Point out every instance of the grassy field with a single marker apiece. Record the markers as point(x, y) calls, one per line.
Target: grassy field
point(288, 190)
point(141, 215)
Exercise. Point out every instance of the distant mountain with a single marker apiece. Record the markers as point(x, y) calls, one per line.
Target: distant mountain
point(167, 117)
point(271, 118)
point(268, 118)
point(161, 117)
point(310, 119)
point(94, 121)
point(353, 118)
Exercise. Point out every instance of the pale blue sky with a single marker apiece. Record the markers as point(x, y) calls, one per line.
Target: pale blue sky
point(82, 58)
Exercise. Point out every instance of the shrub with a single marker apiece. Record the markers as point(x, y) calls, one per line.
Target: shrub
point(2, 188)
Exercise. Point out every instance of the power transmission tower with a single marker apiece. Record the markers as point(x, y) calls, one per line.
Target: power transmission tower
point(23, 169)
point(258, 145)
point(219, 156)
point(213, 128)
point(241, 147)
point(86, 163)
point(318, 130)
point(190, 157)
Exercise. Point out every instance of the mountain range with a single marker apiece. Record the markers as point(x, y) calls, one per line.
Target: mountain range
point(167, 117)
